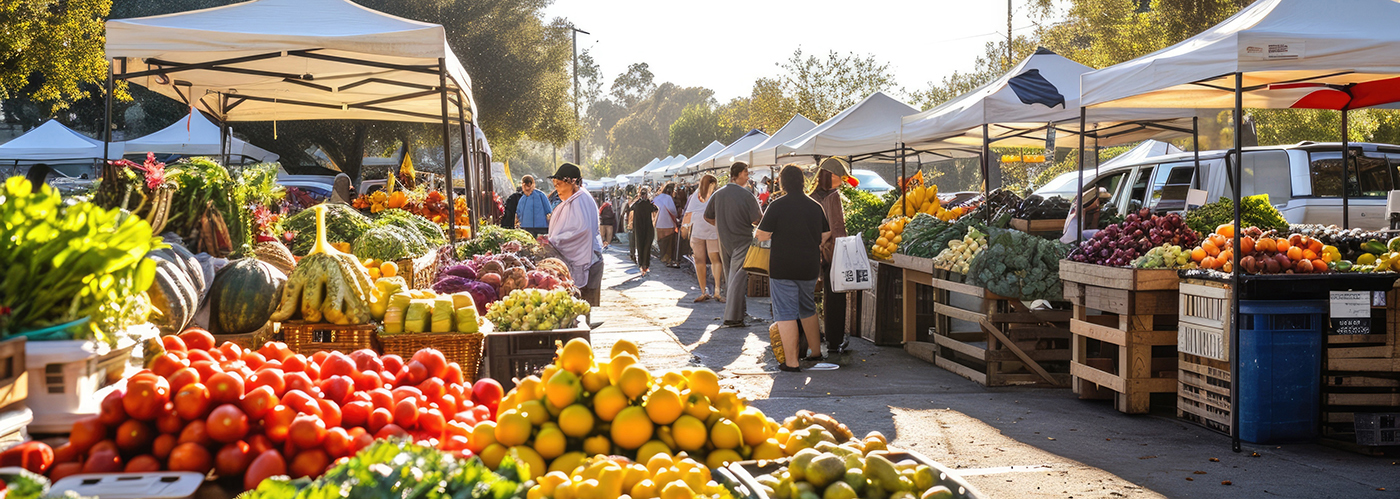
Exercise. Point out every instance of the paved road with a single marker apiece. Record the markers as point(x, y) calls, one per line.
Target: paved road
point(1012, 442)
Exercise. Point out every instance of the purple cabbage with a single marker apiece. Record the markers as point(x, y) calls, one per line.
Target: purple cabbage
point(451, 284)
point(482, 295)
point(459, 270)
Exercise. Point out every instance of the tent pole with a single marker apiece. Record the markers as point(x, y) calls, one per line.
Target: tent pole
point(986, 161)
point(107, 123)
point(468, 130)
point(223, 130)
point(1235, 270)
point(447, 151)
point(1196, 150)
point(1346, 174)
point(903, 175)
point(1079, 187)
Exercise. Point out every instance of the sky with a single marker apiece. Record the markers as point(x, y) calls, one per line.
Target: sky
point(727, 44)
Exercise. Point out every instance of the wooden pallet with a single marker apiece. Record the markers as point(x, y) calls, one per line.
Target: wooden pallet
point(1203, 395)
point(1361, 375)
point(990, 339)
point(1129, 316)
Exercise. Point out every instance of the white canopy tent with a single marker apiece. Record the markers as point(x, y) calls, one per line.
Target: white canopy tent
point(868, 128)
point(659, 171)
point(734, 152)
point(195, 135)
point(766, 153)
point(691, 165)
point(54, 144)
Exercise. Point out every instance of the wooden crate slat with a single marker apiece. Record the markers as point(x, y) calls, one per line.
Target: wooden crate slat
point(958, 346)
point(1366, 399)
point(958, 313)
point(1098, 377)
point(1033, 317)
point(1118, 278)
point(1358, 365)
point(1031, 363)
point(959, 288)
point(1102, 333)
point(961, 370)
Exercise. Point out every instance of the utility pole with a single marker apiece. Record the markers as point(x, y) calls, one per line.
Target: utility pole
point(1008, 34)
point(578, 157)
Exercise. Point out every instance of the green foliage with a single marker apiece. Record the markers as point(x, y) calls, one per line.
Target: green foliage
point(1019, 265)
point(430, 232)
point(864, 212)
point(489, 240)
point(403, 470)
point(50, 49)
point(698, 125)
point(390, 242)
point(1255, 211)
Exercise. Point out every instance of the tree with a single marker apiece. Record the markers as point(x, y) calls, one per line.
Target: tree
point(645, 132)
point(987, 67)
point(634, 85)
point(50, 49)
point(698, 125)
point(768, 107)
point(822, 87)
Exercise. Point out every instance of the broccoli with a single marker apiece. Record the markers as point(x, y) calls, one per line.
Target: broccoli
point(1019, 265)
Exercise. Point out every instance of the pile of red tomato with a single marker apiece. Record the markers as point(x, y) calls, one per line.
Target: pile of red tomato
point(267, 412)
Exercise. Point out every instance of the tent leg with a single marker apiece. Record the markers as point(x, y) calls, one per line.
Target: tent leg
point(1346, 175)
point(447, 152)
point(468, 167)
point(107, 122)
point(1079, 189)
point(223, 132)
point(1196, 149)
point(1235, 270)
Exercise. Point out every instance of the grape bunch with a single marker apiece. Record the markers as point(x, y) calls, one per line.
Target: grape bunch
point(1118, 245)
point(536, 310)
point(1166, 256)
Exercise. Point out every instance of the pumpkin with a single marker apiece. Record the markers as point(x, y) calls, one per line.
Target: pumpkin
point(243, 296)
point(276, 254)
point(174, 295)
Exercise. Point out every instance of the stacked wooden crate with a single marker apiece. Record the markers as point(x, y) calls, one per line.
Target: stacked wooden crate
point(1203, 354)
point(1361, 382)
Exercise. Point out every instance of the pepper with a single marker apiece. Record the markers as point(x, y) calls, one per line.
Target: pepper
point(1330, 254)
point(1374, 246)
point(1343, 266)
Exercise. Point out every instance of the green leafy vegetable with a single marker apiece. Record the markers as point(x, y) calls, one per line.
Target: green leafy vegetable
point(489, 240)
point(389, 242)
point(430, 232)
point(1019, 265)
point(1255, 211)
point(864, 212)
point(404, 471)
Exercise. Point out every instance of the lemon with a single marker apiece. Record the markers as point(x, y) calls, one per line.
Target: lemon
point(550, 442)
point(697, 405)
point(634, 381)
point(567, 463)
point(720, 457)
point(677, 490)
point(666, 476)
point(689, 433)
point(510, 401)
point(754, 425)
point(674, 379)
point(652, 448)
point(549, 372)
point(631, 428)
point(534, 464)
point(576, 356)
point(768, 450)
point(491, 456)
point(664, 405)
point(633, 474)
point(565, 491)
point(512, 429)
point(644, 489)
point(533, 410)
point(588, 489)
point(727, 403)
point(595, 379)
point(548, 483)
point(576, 421)
point(597, 444)
point(617, 364)
point(704, 381)
point(694, 479)
point(724, 435)
point(527, 389)
point(483, 434)
point(562, 389)
point(624, 346)
point(610, 482)
point(608, 402)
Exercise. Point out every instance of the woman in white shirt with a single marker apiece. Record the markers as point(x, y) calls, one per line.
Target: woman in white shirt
point(704, 238)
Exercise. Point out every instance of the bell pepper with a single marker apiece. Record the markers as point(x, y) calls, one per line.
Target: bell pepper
point(1330, 254)
point(1366, 259)
point(1374, 246)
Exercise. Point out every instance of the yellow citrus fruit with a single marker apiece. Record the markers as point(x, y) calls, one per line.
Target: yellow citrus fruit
point(667, 475)
point(565, 491)
point(720, 457)
point(608, 402)
point(677, 490)
point(549, 482)
point(630, 429)
point(549, 372)
point(562, 389)
point(595, 379)
point(389, 269)
point(625, 346)
point(704, 381)
point(769, 449)
point(652, 448)
point(576, 421)
point(597, 444)
point(663, 433)
point(724, 435)
point(689, 433)
point(491, 456)
point(550, 442)
point(634, 381)
point(633, 474)
point(664, 405)
point(512, 429)
point(483, 434)
point(658, 462)
point(533, 410)
point(527, 389)
point(674, 379)
point(697, 405)
point(534, 464)
point(694, 478)
point(617, 364)
point(576, 356)
point(754, 425)
point(644, 489)
point(567, 462)
point(587, 489)
point(510, 401)
point(610, 482)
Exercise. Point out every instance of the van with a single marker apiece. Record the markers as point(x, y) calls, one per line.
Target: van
point(1302, 180)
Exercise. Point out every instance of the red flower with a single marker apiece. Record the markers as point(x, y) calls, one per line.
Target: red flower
point(289, 235)
point(152, 170)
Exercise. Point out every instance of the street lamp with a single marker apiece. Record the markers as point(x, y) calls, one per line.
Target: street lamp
point(578, 158)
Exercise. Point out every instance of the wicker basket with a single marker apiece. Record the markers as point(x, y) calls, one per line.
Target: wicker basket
point(309, 338)
point(776, 340)
point(419, 272)
point(253, 340)
point(462, 348)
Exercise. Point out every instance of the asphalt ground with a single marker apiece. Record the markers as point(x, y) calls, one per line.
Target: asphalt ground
point(1008, 442)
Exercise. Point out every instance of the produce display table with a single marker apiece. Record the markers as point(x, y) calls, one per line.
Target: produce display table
point(1128, 317)
point(510, 355)
point(68, 379)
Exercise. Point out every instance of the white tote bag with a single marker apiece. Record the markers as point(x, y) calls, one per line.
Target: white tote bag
point(850, 270)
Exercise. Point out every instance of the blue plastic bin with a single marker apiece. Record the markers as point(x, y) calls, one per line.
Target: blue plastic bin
point(1280, 369)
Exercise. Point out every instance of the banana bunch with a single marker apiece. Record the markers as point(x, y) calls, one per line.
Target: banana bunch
point(327, 285)
point(920, 199)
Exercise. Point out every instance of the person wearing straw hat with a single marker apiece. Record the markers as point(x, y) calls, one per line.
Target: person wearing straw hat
point(573, 230)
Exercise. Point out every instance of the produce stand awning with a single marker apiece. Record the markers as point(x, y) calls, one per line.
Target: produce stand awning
point(706, 154)
point(871, 126)
point(735, 152)
point(194, 135)
point(766, 154)
point(52, 142)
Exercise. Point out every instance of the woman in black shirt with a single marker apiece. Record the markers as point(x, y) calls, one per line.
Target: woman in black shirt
point(797, 227)
point(643, 214)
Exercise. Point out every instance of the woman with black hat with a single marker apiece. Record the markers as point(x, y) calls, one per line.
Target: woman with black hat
point(573, 230)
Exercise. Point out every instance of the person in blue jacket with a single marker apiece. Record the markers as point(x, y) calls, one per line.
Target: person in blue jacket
point(534, 208)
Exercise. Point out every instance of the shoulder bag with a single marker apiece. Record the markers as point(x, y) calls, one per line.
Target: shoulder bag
point(756, 261)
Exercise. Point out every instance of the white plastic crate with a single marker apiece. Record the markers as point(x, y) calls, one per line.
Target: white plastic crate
point(14, 425)
point(153, 485)
point(67, 378)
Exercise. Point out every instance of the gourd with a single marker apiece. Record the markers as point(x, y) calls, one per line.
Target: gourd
point(277, 255)
point(327, 284)
point(243, 296)
point(174, 295)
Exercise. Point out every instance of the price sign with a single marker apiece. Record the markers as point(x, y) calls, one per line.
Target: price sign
point(1351, 312)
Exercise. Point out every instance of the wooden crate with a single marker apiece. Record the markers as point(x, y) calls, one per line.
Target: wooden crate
point(14, 378)
point(1203, 395)
point(1129, 317)
point(309, 338)
point(1203, 326)
point(1009, 345)
point(1039, 227)
point(881, 317)
point(1361, 376)
point(758, 286)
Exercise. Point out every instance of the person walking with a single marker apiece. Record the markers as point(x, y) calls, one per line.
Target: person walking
point(704, 238)
point(532, 212)
point(666, 217)
point(607, 222)
point(643, 215)
point(798, 228)
point(734, 212)
point(573, 231)
point(828, 195)
point(512, 202)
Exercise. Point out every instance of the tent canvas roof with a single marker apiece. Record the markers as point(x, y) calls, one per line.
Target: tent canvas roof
point(765, 154)
point(53, 142)
point(194, 135)
point(736, 151)
point(869, 126)
point(714, 147)
point(292, 60)
point(659, 171)
point(1272, 42)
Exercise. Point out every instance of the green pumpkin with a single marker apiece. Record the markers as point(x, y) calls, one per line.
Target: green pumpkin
point(244, 294)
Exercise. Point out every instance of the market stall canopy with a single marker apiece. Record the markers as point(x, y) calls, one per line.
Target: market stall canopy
point(766, 153)
point(871, 126)
point(52, 142)
point(269, 60)
point(1022, 105)
point(1287, 50)
point(737, 151)
point(693, 164)
point(194, 135)
point(659, 172)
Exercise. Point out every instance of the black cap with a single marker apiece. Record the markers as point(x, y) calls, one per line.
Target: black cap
point(567, 171)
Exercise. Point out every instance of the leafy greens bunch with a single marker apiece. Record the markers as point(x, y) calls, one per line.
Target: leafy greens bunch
point(1019, 265)
point(1255, 211)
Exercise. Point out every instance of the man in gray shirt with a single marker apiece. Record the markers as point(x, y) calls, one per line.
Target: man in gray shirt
point(734, 212)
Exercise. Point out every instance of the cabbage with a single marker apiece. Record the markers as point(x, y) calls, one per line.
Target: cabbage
point(461, 270)
point(482, 294)
point(450, 284)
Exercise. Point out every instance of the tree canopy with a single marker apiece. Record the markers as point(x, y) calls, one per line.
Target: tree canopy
point(50, 48)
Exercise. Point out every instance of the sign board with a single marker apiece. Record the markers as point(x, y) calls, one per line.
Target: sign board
point(1351, 312)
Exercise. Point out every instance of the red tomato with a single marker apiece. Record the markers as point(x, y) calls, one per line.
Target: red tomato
point(183, 377)
point(319, 358)
point(233, 458)
point(360, 396)
point(307, 432)
point(225, 388)
point(458, 428)
point(483, 413)
point(454, 375)
point(433, 360)
point(278, 422)
point(417, 372)
point(169, 421)
point(313, 370)
point(166, 364)
point(104, 446)
point(387, 378)
point(432, 388)
point(190, 456)
point(360, 441)
point(206, 368)
point(355, 413)
point(199, 356)
point(197, 339)
point(143, 463)
point(378, 418)
point(192, 402)
point(447, 403)
point(258, 402)
point(392, 362)
point(269, 463)
point(337, 442)
point(382, 398)
point(173, 344)
point(195, 433)
point(227, 423)
point(275, 350)
point(86, 433)
point(162, 446)
point(133, 437)
point(299, 381)
point(257, 444)
point(271, 364)
point(65, 453)
point(408, 392)
point(231, 351)
point(144, 398)
point(111, 412)
point(63, 470)
point(390, 431)
point(272, 378)
point(301, 402)
point(406, 413)
point(252, 359)
point(103, 462)
point(367, 380)
point(366, 360)
point(294, 364)
point(337, 364)
point(309, 463)
point(336, 388)
point(330, 413)
point(455, 443)
point(487, 391)
point(142, 374)
point(432, 421)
